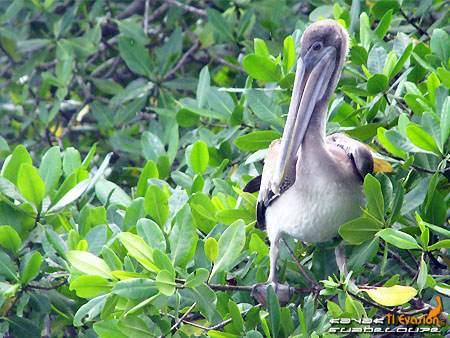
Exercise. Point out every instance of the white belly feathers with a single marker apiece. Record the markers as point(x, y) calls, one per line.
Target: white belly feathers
point(314, 211)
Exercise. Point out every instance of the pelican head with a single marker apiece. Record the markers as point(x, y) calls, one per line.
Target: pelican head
point(323, 48)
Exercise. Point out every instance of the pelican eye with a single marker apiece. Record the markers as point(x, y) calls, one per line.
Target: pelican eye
point(317, 46)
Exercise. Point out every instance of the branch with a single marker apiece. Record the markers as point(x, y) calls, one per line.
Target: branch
point(399, 260)
point(191, 9)
point(416, 167)
point(421, 31)
point(182, 60)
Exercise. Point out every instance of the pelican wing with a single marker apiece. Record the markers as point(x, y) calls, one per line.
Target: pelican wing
point(357, 153)
point(263, 183)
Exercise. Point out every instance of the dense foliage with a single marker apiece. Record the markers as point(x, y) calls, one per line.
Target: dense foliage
point(128, 130)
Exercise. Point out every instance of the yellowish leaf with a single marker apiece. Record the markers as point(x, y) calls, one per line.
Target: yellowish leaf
point(392, 296)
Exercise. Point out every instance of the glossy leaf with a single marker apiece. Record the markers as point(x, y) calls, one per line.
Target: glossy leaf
point(89, 264)
point(231, 242)
point(399, 239)
point(9, 238)
point(257, 140)
point(156, 204)
point(199, 157)
point(211, 249)
point(422, 139)
point(31, 184)
point(392, 296)
point(261, 68)
point(359, 230)
point(374, 196)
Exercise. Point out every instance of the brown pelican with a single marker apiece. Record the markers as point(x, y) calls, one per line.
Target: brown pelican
point(311, 184)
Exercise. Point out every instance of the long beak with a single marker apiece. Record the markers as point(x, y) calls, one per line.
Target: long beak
point(311, 82)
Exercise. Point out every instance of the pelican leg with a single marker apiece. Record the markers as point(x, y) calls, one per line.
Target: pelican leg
point(283, 292)
point(339, 251)
point(274, 253)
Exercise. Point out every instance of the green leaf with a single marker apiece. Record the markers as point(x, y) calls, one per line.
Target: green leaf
point(423, 270)
point(108, 328)
point(10, 239)
point(359, 55)
point(362, 254)
point(156, 205)
point(261, 48)
point(377, 84)
point(257, 245)
point(203, 86)
point(439, 245)
point(256, 140)
point(135, 56)
point(229, 216)
point(384, 24)
point(90, 310)
point(138, 249)
point(165, 282)
point(263, 107)
point(398, 238)
point(22, 327)
point(71, 160)
point(392, 296)
point(218, 23)
point(196, 278)
point(375, 201)
point(445, 121)
point(90, 286)
point(238, 321)
point(7, 269)
point(31, 184)
point(206, 300)
point(135, 288)
point(199, 158)
point(288, 54)
point(231, 242)
point(50, 168)
point(12, 164)
point(273, 306)
point(444, 75)
point(391, 61)
point(381, 7)
point(162, 261)
point(32, 267)
point(152, 147)
point(376, 60)
point(261, 68)
point(89, 263)
point(211, 249)
point(150, 171)
point(440, 44)
point(151, 233)
point(401, 62)
point(422, 139)
point(183, 238)
point(359, 230)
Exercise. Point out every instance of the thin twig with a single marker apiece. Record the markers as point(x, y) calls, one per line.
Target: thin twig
point(49, 287)
point(146, 10)
point(13, 304)
point(399, 260)
point(302, 269)
point(182, 318)
point(191, 9)
point(182, 60)
point(158, 13)
point(423, 32)
point(416, 167)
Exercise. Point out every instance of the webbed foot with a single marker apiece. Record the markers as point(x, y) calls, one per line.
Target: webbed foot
point(283, 292)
